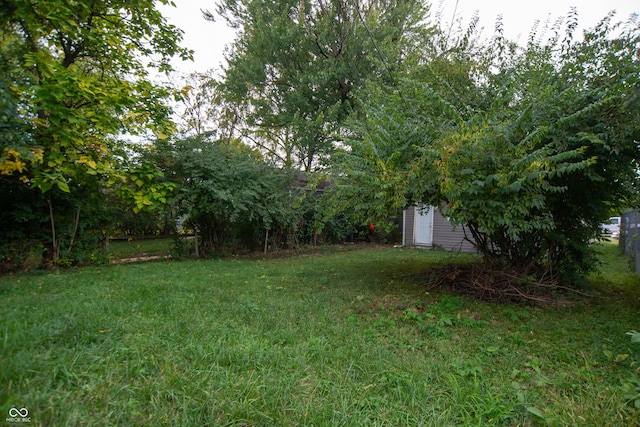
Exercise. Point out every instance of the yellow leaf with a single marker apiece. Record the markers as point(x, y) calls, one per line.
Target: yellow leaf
point(39, 122)
point(37, 154)
point(162, 136)
point(185, 91)
point(621, 357)
point(11, 162)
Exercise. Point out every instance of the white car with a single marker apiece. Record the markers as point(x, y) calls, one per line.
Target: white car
point(612, 226)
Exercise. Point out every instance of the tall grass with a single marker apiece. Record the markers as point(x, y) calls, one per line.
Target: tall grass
point(338, 339)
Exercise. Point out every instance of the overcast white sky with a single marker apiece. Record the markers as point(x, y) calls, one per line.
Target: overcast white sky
point(208, 39)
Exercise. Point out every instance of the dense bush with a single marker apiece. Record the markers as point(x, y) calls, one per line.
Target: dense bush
point(530, 147)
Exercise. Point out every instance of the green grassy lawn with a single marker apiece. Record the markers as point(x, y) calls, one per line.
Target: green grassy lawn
point(343, 338)
point(134, 248)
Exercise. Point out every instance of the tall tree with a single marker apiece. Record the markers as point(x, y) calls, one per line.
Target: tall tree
point(77, 73)
point(296, 65)
point(199, 109)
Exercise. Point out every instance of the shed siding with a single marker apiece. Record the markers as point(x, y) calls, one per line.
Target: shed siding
point(448, 237)
point(445, 236)
point(408, 236)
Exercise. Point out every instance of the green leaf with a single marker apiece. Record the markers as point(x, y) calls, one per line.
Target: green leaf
point(63, 186)
point(535, 411)
point(45, 186)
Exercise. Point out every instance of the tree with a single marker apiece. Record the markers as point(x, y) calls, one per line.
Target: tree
point(532, 157)
point(226, 192)
point(200, 105)
point(382, 167)
point(77, 74)
point(296, 65)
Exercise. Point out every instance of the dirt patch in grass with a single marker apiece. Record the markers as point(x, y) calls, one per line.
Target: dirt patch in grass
point(142, 257)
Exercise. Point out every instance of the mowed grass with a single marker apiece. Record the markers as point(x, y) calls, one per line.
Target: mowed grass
point(344, 338)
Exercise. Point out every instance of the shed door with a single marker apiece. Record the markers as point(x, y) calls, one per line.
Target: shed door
point(424, 225)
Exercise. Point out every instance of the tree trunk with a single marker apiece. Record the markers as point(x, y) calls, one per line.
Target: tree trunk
point(76, 221)
point(54, 242)
point(266, 240)
point(197, 245)
point(105, 244)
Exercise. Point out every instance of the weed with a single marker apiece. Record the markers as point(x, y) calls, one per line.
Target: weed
point(181, 247)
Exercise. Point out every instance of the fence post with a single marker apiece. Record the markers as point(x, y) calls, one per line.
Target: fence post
point(637, 254)
point(636, 241)
point(630, 237)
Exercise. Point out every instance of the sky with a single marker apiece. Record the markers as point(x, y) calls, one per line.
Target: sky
point(209, 39)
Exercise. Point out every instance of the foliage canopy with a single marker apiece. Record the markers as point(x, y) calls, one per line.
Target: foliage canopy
point(74, 79)
point(530, 148)
point(295, 68)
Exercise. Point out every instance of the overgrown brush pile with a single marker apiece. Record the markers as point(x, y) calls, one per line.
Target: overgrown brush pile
point(492, 284)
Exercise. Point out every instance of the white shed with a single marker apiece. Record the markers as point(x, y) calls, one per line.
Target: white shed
point(424, 226)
